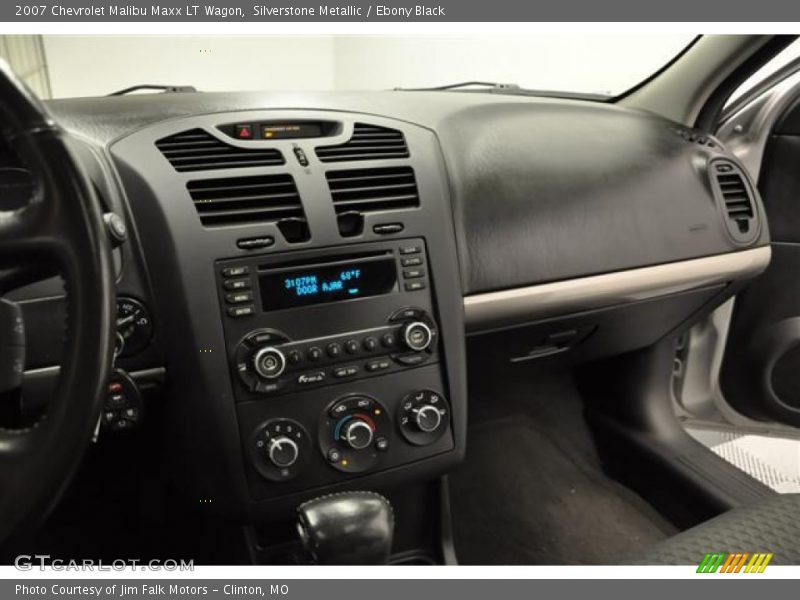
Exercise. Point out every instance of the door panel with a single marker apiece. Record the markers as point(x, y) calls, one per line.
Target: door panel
point(761, 372)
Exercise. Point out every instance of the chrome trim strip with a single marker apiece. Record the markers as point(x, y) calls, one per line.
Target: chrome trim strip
point(505, 308)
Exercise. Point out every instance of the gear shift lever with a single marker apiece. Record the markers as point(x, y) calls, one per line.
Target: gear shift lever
point(349, 528)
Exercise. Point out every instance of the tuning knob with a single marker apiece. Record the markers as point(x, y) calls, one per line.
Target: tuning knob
point(427, 418)
point(358, 434)
point(417, 336)
point(269, 362)
point(283, 452)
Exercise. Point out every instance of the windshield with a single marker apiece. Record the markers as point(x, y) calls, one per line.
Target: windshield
point(602, 64)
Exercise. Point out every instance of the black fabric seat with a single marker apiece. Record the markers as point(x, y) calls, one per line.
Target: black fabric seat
point(772, 525)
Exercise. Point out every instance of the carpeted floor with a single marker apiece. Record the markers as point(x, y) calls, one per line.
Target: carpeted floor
point(532, 491)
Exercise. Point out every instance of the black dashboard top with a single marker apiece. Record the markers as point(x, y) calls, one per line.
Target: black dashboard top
point(542, 189)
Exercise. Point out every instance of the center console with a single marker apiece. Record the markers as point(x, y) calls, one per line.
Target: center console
point(335, 359)
point(307, 285)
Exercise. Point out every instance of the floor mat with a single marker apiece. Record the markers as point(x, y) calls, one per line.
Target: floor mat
point(520, 498)
point(774, 461)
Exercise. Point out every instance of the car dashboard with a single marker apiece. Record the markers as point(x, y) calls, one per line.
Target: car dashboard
point(305, 273)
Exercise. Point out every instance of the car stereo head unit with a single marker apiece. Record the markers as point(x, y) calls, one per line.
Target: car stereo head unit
point(313, 318)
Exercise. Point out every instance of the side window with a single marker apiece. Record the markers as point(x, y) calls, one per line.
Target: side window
point(787, 55)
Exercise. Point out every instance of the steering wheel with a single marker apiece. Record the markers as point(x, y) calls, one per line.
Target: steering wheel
point(59, 229)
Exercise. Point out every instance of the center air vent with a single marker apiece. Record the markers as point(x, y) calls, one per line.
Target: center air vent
point(198, 150)
point(359, 191)
point(368, 142)
point(256, 199)
point(735, 196)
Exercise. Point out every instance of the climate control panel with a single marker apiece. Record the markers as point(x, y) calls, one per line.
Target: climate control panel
point(267, 362)
point(355, 433)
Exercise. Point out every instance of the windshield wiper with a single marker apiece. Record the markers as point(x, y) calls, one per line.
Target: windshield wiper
point(167, 89)
point(464, 84)
point(511, 89)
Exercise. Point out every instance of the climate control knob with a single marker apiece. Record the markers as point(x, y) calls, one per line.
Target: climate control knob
point(269, 363)
point(424, 417)
point(417, 336)
point(427, 418)
point(358, 434)
point(283, 452)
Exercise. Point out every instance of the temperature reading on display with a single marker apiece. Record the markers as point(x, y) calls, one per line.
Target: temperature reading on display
point(301, 287)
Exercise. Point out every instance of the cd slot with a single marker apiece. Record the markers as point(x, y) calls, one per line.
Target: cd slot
point(333, 261)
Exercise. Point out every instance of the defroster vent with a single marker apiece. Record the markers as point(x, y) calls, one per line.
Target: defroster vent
point(254, 199)
point(368, 142)
point(198, 150)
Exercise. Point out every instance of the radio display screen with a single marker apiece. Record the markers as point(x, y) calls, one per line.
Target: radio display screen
point(305, 286)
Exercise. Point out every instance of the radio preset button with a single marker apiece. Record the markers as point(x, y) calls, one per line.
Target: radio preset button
point(351, 346)
point(334, 350)
point(314, 353)
point(370, 343)
point(388, 340)
point(295, 358)
point(410, 249)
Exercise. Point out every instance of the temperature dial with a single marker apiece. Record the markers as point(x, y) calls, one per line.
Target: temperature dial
point(355, 433)
point(423, 417)
point(358, 434)
point(279, 449)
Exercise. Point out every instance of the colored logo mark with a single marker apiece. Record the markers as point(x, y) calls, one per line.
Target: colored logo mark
point(737, 562)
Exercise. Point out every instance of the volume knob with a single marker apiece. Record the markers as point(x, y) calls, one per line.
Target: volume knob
point(269, 362)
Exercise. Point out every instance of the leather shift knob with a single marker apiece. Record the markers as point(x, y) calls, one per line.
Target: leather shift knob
point(350, 528)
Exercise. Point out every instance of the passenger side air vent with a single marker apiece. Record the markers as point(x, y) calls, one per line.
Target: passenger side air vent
point(735, 197)
point(198, 150)
point(256, 199)
point(369, 142)
point(359, 191)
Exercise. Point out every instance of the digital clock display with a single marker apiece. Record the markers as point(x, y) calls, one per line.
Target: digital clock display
point(329, 283)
